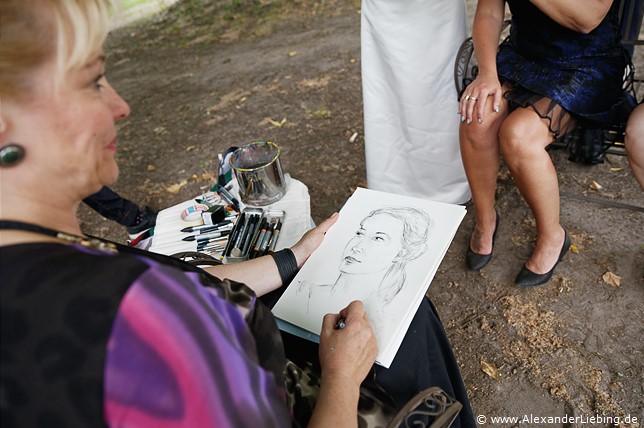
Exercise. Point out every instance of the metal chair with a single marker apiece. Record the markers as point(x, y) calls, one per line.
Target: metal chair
point(630, 21)
point(431, 408)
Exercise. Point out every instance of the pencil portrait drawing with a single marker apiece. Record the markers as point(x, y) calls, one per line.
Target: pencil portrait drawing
point(384, 250)
point(373, 264)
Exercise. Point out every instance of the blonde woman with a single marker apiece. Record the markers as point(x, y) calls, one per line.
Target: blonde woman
point(97, 334)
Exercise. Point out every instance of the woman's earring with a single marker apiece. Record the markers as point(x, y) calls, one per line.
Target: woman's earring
point(11, 155)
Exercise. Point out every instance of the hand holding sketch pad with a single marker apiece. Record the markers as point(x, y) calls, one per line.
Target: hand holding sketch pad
point(384, 250)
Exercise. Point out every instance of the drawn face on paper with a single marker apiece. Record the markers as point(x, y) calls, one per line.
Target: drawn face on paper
point(374, 247)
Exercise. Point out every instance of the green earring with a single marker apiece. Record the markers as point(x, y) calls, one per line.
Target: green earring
point(11, 155)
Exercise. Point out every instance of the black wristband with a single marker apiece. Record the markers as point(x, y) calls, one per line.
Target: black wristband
point(286, 264)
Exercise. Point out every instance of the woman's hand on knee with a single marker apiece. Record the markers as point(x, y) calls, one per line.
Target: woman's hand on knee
point(484, 95)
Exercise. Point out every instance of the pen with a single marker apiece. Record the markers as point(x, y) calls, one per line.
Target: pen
point(191, 229)
point(242, 229)
point(341, 324)
point(278, 226)
point(211, 247)
point(260, 238)
point(228, 201)
point(235, 236)
point(205, 230)
point(263, 246)
point(212, 241)
point(229, 195)
point(252, 227)
point(206, 236)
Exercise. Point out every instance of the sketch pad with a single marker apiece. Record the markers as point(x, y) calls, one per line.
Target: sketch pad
point(384, 250)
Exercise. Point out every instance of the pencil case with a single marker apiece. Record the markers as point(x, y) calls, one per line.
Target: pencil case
point(253, 234)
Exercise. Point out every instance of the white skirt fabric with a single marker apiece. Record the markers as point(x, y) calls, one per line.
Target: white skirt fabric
point(410, 101)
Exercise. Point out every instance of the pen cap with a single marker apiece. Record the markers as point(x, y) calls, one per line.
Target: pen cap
point(259, 173)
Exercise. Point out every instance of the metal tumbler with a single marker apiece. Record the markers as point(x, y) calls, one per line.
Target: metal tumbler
point(259, 173)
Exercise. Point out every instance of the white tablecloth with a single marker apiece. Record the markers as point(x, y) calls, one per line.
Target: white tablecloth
point(297, 220)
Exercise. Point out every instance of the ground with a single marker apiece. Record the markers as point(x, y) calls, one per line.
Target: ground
point(206, 75)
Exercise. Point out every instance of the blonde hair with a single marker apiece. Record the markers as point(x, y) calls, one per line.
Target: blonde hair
point(33, 32)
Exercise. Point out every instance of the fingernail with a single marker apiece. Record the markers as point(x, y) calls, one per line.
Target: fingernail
point(469, 121)
point(462, 118)
point(496, 109)
point(480, 120)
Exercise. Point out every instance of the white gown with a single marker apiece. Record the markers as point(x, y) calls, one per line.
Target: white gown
point(410, 101)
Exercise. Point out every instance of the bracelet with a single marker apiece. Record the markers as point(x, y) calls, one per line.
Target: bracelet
point(286, 264)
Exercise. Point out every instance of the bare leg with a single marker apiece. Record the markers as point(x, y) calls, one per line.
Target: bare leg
point(480, 152)
point(634, 142)
point(523, 138)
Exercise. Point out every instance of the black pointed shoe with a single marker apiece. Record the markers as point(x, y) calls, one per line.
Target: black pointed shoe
point(527, 278)
point(477, 261)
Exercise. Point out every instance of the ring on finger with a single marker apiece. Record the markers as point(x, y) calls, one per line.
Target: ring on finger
point(471, 98)
point(467, 97)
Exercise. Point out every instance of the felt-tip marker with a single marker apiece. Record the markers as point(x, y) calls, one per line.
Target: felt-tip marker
point(206, 236)
point(191, 229)
point(229, 195)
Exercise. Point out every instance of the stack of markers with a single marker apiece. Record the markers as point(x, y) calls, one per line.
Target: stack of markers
point(267, 238)
point(253, 236)
point(211, 238)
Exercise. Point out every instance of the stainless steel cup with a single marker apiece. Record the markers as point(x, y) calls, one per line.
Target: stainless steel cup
point(259, 173)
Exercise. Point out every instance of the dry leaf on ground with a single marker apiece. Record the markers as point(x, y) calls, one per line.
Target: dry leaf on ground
point(611, 279)
point(490, 370)
point(276, 123)
point(174, 188)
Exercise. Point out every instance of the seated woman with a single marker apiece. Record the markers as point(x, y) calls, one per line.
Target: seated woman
point(97, 334)
point(558, 74)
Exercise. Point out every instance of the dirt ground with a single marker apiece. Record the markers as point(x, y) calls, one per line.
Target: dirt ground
point(209, 74)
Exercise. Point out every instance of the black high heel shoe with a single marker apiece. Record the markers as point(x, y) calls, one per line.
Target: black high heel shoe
point(527, 278)
point(477, 261)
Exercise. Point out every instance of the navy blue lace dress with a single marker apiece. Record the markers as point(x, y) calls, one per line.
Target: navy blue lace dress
point(582, 73)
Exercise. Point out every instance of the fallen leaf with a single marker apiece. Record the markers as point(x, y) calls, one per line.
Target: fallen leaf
point(574, 249)
point(190, 148)
point(490, 370)
point(611, 279)
point(319, 82)
point(174, 188)
point(595, 185)
point(151, 167)
point(353, 137)
point(159, 130)
point(207, 175)
point(276, 123)
point(292, 53)
point(616, 169)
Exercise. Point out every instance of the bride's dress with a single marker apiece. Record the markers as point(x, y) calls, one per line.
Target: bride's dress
point(410, 102)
